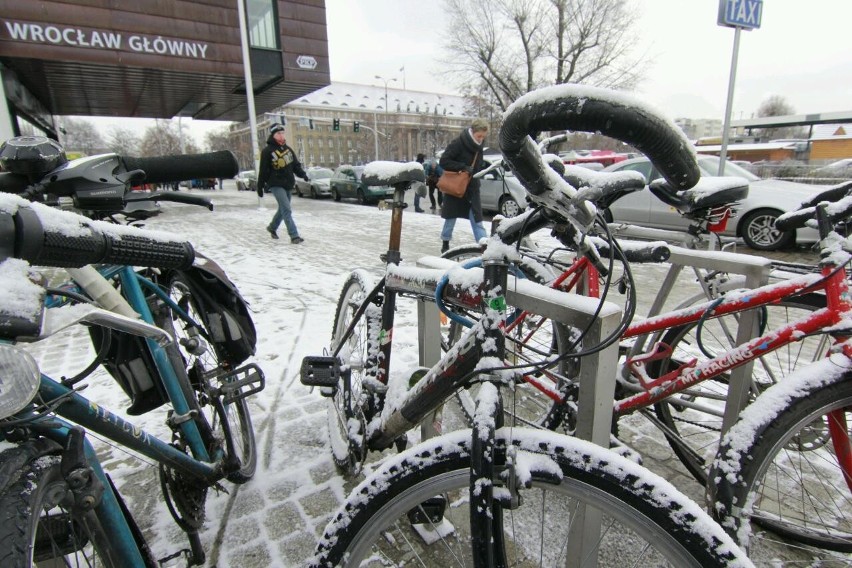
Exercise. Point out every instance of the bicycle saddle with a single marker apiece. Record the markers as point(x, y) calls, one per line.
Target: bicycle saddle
point(393, 173)
point(708, 193)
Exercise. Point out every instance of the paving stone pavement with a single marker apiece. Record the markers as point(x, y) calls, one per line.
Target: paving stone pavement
point(276, 519)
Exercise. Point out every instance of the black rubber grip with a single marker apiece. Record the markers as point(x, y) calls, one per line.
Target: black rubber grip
point(574, 107)
point(88, 244)
point(162, 169)
point(13, 183)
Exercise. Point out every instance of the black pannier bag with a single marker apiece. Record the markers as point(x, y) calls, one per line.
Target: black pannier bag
point(224, 312)
point(128, 359)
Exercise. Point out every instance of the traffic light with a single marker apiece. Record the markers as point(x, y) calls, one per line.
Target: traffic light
point(356, 126)
point(336, 124)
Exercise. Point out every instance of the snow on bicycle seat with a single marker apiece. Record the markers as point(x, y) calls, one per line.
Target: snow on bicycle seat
point(393, 173)
point(709, 192)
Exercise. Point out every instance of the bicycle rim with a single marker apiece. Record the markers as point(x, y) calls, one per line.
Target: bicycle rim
point(796, 484)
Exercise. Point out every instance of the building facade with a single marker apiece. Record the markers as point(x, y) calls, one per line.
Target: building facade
point(413, 122)
point(156, 59)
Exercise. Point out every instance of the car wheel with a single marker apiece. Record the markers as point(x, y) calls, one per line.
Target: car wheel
point(335, 195)
point(314, 192)
point(362, 199)
point(240, 186)
point(758, 231)
point(509, 207)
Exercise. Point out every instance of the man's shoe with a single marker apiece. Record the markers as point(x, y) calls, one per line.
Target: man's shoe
point(445, 247)
point(419, 211)
point(297, 240)
point(272, 233)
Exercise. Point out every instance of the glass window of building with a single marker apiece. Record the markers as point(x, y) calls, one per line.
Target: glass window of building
point(262, 24)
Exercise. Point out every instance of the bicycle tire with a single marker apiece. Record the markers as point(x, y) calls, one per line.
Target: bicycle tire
point(196, 364)
point(777, 466)
point(374, 522)
point(58, 531)
point(692, 420)
point(346, 421)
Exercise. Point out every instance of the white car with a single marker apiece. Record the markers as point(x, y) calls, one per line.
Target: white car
point(755, 216)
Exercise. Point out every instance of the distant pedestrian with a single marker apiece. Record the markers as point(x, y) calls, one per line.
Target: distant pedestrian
point(420, 159)
point(278, 168)
point(433, 171)
point(464, 154)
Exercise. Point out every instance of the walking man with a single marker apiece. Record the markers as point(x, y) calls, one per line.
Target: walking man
point(278, 168)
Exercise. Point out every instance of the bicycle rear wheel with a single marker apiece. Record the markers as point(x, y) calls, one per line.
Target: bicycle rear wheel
point(779, 466)
point(39, 525)
point(346, 421)
point(645, 521)
point(692, 419)
point(199, 369)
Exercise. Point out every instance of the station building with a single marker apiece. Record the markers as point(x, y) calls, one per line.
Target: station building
point(154, 58)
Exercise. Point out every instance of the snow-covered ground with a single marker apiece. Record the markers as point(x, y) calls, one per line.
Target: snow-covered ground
point(275, 519)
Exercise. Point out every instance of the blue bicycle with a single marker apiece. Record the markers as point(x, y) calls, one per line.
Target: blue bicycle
point(56, 501)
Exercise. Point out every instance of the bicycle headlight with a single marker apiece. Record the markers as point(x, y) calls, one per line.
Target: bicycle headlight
point(19, 379)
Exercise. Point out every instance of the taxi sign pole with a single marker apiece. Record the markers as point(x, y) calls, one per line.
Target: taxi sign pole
point(737, 14)
point(728, 107)
point(252, 116)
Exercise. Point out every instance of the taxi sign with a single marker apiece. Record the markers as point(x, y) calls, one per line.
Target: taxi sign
point(744, 14)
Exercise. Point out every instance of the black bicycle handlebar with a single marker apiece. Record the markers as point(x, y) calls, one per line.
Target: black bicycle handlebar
point(588, 109)
point(161, 169)
point(46, 237)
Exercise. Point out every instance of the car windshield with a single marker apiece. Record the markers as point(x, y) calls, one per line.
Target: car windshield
point(320, 174)
point(710, 167)
point(358, 171)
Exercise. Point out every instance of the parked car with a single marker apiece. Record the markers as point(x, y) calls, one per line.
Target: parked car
point(319, 184)
point(754, 219)
point(841, 169)
point(246, 181)
point(500, 190)
point(347, 182)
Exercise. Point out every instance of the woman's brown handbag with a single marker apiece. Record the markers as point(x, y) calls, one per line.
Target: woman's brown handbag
point(455, 183)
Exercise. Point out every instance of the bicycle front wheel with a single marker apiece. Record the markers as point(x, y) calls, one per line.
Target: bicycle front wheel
point(790, 466)
point(41, 527)
point(414, 511)
point(198, 368)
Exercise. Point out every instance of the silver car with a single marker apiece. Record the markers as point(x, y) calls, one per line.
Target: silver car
point(319, 184)
point(755, 216)
point(500, 190)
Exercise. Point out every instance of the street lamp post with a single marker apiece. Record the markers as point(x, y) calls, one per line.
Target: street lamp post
point(387, 132)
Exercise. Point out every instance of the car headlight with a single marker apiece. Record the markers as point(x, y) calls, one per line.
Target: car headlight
point(19, 379)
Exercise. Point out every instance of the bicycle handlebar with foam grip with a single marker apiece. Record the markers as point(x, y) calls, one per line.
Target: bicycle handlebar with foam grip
point(161, 169)
point(589, 109)
point(75, 241)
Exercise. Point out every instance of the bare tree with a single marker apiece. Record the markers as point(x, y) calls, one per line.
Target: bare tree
point(123, 141)
point(502, 49)
point(82, 136)
point(776, 105)
point(162, 139)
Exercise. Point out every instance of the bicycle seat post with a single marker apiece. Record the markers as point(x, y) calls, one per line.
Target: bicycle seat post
point(393, 255)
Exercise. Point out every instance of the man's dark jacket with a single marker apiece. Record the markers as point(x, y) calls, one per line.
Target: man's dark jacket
point(278, 167)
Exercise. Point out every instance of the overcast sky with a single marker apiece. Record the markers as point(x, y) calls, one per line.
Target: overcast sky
point(801, 52)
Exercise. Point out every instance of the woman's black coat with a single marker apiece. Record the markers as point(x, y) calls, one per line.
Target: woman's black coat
point(459, 155)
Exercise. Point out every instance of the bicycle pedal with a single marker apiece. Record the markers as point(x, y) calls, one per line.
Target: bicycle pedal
point(322, 371)
point(432, 533)
point(249, 376)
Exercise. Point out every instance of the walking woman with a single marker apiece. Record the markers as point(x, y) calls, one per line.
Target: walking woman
point(464, 154)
